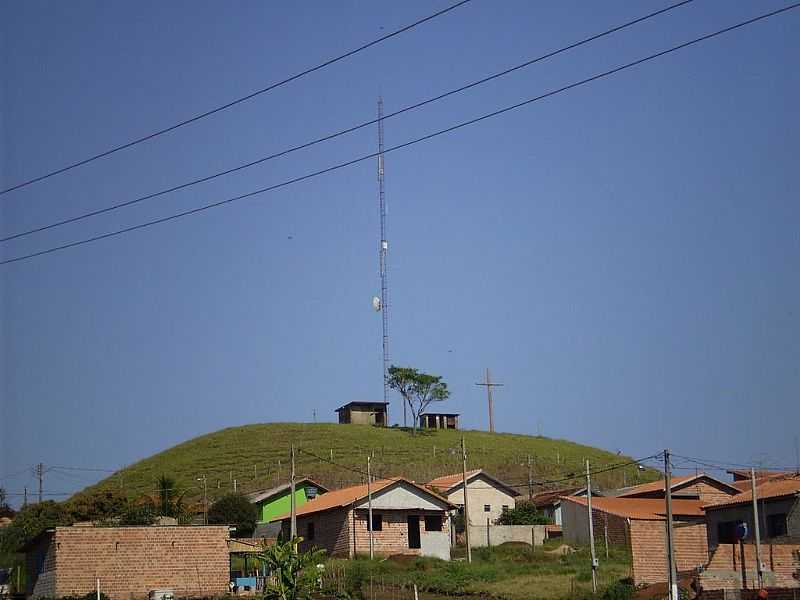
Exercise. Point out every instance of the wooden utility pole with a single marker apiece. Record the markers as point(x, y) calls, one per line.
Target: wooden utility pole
point(293, 519)
point(756, 528)
point(205, 499)
point(369, 506)
point(591, 527)
point(40, 476)
point(487, 383)
point(466, 500)
point(530, 478)
point(672, 572)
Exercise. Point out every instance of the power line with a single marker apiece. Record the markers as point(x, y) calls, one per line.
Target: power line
point(84, 469)
point(237, 100)
point(27, 470)
point(404, 145)
point(345, 131)
point(725, 466)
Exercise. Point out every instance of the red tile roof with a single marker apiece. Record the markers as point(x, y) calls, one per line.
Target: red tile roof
point(775, 487)
point(643, 509)
point(448, 482)
point(677, 483)
point(551, 497)
point(347, 496)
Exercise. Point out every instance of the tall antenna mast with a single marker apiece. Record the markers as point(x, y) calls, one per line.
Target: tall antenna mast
point(384, 249)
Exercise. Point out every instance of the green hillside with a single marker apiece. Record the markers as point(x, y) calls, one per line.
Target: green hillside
point(257, 457)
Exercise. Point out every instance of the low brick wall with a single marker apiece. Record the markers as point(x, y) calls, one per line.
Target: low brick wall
point(131, 561)
point(726, 570)
point(773, 594)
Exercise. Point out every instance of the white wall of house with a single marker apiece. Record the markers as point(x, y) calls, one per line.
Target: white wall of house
point(404, 497)
point(483, 493)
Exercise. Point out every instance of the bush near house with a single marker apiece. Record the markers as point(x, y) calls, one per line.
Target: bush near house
point(510, 571)
point(525, 513)
point(97, 506)
point(236, 510)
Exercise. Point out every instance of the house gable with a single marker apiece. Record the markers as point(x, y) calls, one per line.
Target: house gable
point(403, 496)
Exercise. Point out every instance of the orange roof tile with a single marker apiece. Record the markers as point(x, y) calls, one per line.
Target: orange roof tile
point(773, 487)
point(547, 498)
point(349, 495)
point(644, 509)
point(446, 482)
point(744, 484)
point(677, 482)
point(654, 486)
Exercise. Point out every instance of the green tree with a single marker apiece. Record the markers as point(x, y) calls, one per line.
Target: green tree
point(234, 509)
point(30, 522)
point(417, 389)
point(142, 513)
point(5, 509)
point(97, 506)
point(295, 572)
point(525, 513)
point(169, 502)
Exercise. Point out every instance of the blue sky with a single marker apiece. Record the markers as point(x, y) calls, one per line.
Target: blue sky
point(623, 256)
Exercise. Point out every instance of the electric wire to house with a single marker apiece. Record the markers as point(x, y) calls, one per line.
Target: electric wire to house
point(407, 144)
point(238, 100)
point(348, 130)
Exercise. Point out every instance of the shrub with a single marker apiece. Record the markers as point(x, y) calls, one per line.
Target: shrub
point(234, 509)
point(295, 573)
point(138, 514)
point(30, 522)
point(524, 514)
point(96, 506)
point(621, 590)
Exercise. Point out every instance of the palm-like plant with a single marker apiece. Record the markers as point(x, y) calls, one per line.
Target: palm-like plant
point(293, 580)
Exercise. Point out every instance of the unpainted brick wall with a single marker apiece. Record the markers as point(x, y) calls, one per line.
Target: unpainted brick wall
point(332, 531)
point(393, 538)
point(773, 593)
point(617, 528)
point(131, 561)
point(649, 549)
point(782, 561)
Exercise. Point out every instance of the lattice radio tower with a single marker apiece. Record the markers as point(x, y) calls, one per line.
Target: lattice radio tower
point(384, 250)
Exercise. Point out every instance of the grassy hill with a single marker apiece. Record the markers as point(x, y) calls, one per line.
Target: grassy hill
point(257, 457)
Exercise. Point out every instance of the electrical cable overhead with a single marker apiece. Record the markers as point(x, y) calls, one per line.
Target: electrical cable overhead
point(424, 138)
point(239, 100)
point(731, 466)
point(27, 470)
point(348, 130)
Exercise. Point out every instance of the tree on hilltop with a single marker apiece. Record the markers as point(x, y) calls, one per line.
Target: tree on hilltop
point(417, 389)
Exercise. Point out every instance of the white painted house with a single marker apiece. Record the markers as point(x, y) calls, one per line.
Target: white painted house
point(488, 496)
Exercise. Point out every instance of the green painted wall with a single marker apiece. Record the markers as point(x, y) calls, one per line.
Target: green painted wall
point(281, 504)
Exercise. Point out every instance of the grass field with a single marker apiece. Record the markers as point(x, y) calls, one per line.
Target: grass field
point(507, 572)
point(257, 456)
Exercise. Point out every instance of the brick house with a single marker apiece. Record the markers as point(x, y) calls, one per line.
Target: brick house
point(128, 561)
point(733, 565)
point(701, 486)
point(640, 525)
point(488, 496)
point(364, 413)
point(406, 519)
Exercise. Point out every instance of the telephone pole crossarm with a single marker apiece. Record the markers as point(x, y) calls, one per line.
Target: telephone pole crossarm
point(489, 384)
